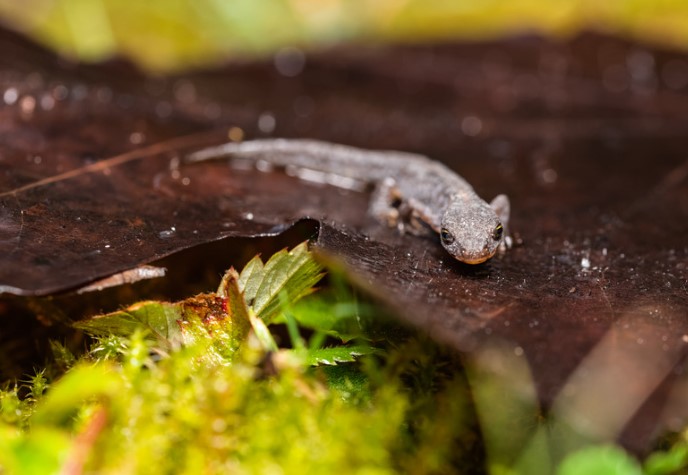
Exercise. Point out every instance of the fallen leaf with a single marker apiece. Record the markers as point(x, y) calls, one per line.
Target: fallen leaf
point(591, 153)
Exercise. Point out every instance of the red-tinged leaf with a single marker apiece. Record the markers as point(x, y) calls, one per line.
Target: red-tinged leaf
point(161, 319)
point(222, 319)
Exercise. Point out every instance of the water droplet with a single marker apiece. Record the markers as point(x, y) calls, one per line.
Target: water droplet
point(290, 61)
point(27, 104)
point(10, 96)
point(137, 138)
point(167, 233)
point(471, 125)
point(640, 65)
point(47, 102)
point(235, 134)
point(60, 92)
point(264, 166)
point(267, 123)
point(549, 176)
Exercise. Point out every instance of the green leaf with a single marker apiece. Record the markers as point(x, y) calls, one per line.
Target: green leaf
point(291, 274)
point(222, 318)
point(344, 320)
point(599, 460)
point(159, 318)
point(666, 463)
point(249, 280)
point(337, 354)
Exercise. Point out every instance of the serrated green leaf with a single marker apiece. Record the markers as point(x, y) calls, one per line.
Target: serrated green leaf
point(159, 318)
point(249, 280)
point(224, 316)
point(223, 319)
point(337, 354)
point(291, 274)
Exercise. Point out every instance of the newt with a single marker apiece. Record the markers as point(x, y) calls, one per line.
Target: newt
point(410, 191)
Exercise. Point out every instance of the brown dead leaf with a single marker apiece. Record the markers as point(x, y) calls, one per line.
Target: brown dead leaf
point(591, 152)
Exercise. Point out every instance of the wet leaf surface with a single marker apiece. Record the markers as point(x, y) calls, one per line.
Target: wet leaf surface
point(586, 137)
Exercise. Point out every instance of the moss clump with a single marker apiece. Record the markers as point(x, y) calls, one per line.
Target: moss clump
point(193, 388)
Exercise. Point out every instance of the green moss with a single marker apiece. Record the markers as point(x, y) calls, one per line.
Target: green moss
point(181, 416)
point(192, 386)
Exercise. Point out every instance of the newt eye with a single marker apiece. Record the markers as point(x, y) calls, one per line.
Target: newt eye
point(446, 236)
point(498, 232)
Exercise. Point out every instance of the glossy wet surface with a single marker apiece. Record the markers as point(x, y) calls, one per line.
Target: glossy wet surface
point(587, 138)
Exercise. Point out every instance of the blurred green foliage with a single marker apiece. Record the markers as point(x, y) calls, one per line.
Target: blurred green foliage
point(165, 35)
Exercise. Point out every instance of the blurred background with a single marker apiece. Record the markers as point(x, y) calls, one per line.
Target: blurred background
point(167, 35)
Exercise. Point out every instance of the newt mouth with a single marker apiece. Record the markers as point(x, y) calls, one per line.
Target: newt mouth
point(477, 260)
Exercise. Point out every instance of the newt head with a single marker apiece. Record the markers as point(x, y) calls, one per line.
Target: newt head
point(472, 230)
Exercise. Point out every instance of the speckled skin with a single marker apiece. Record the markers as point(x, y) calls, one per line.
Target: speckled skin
point(412, 192)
